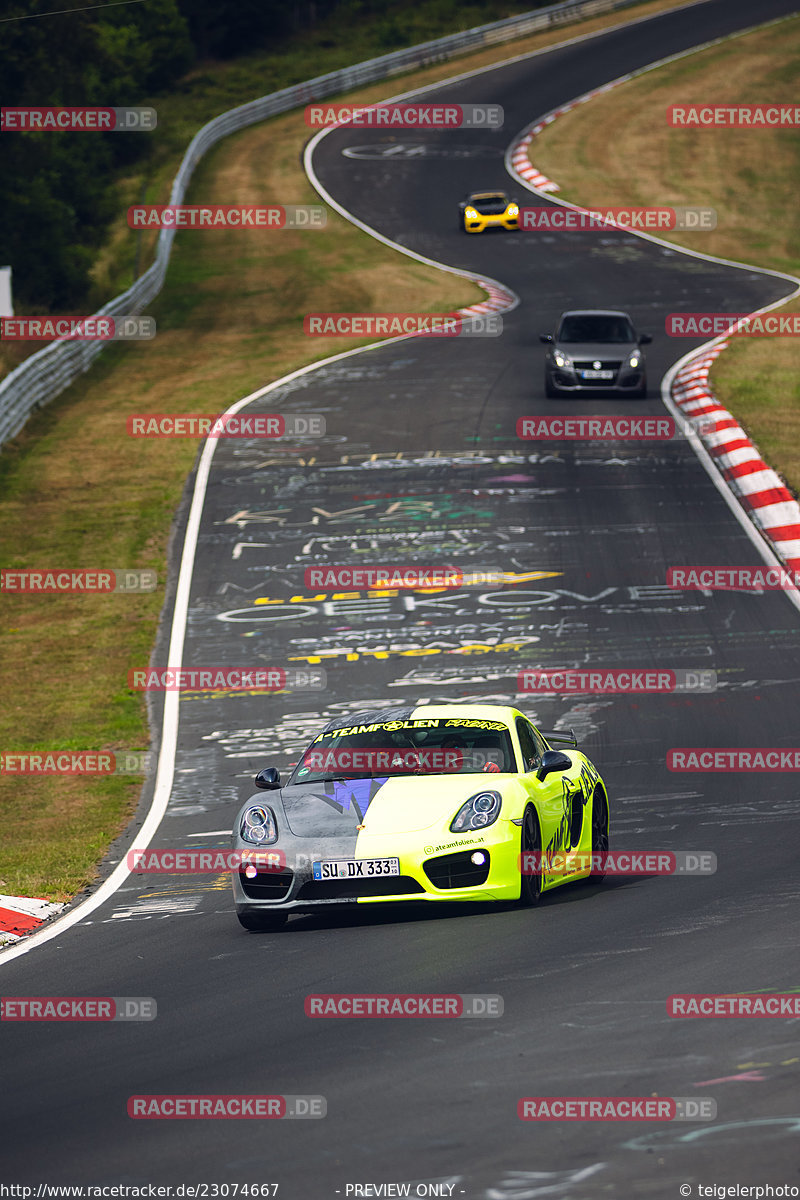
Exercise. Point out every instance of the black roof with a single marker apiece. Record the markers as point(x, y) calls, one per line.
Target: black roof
point(372, 716)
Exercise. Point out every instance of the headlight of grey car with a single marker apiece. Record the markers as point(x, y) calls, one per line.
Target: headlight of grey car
point(480, 810)
point(561, 359)
point(258, 825)
point(634, 359)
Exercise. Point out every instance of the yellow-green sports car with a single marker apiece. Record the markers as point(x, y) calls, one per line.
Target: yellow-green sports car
point(487, 210)
point(446, 801)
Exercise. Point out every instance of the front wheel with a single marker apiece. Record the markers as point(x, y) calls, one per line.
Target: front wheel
point(530, 887)
point(258, 922)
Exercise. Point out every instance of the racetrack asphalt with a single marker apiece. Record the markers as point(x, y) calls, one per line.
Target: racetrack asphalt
point(421, 452)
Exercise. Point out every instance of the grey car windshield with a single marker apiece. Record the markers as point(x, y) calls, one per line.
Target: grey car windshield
point(596, 327)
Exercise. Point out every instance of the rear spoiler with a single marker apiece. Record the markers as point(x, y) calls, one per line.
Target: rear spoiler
point(567, 737)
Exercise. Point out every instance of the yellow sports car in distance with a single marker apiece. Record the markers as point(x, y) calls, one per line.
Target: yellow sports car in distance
point(487, 210)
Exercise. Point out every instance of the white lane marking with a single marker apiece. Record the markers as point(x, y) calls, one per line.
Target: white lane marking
point(145, 909)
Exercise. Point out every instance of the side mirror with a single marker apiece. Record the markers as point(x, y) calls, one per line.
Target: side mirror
point(644, 339)
point(546, 337)
point(553, 760)
point(268, 779)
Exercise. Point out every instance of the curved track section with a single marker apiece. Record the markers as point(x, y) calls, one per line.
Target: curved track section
point(421, 458)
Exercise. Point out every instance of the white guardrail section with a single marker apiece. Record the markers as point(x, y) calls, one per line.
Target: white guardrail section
point(47, 373)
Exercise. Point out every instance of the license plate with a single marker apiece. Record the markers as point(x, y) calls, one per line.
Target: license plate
point(597, 374)
point(356, 868)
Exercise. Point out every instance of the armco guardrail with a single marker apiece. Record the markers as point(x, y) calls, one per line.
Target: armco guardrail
point(47, 373)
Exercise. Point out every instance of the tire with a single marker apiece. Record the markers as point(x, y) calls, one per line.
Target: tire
point(599, 832)
point(258, 922)
point(530, 886)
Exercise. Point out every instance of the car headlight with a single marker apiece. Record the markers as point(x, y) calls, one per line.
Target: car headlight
point(634, 359)
point(471, 213)
point(513, 210)
point(562, 360)
point(258, 825)
point(480, 810)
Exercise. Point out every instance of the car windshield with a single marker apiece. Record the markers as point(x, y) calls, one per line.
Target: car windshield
point(432, 746)
point(491, 202)
point(595, 327)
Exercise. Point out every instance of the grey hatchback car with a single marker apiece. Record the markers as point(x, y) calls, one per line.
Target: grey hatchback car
point(595, 350)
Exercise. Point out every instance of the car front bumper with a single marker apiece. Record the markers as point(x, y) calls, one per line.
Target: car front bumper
point(434, 871)
point(481, 223)
point(624, 382)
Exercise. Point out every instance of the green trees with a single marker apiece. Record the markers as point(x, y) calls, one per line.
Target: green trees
point(56, 189)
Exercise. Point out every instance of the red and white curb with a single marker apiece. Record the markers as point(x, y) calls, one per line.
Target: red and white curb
point(760, 491)
point(525, 169)
point(21, 915)
point(501, 299)
point(518, 158)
